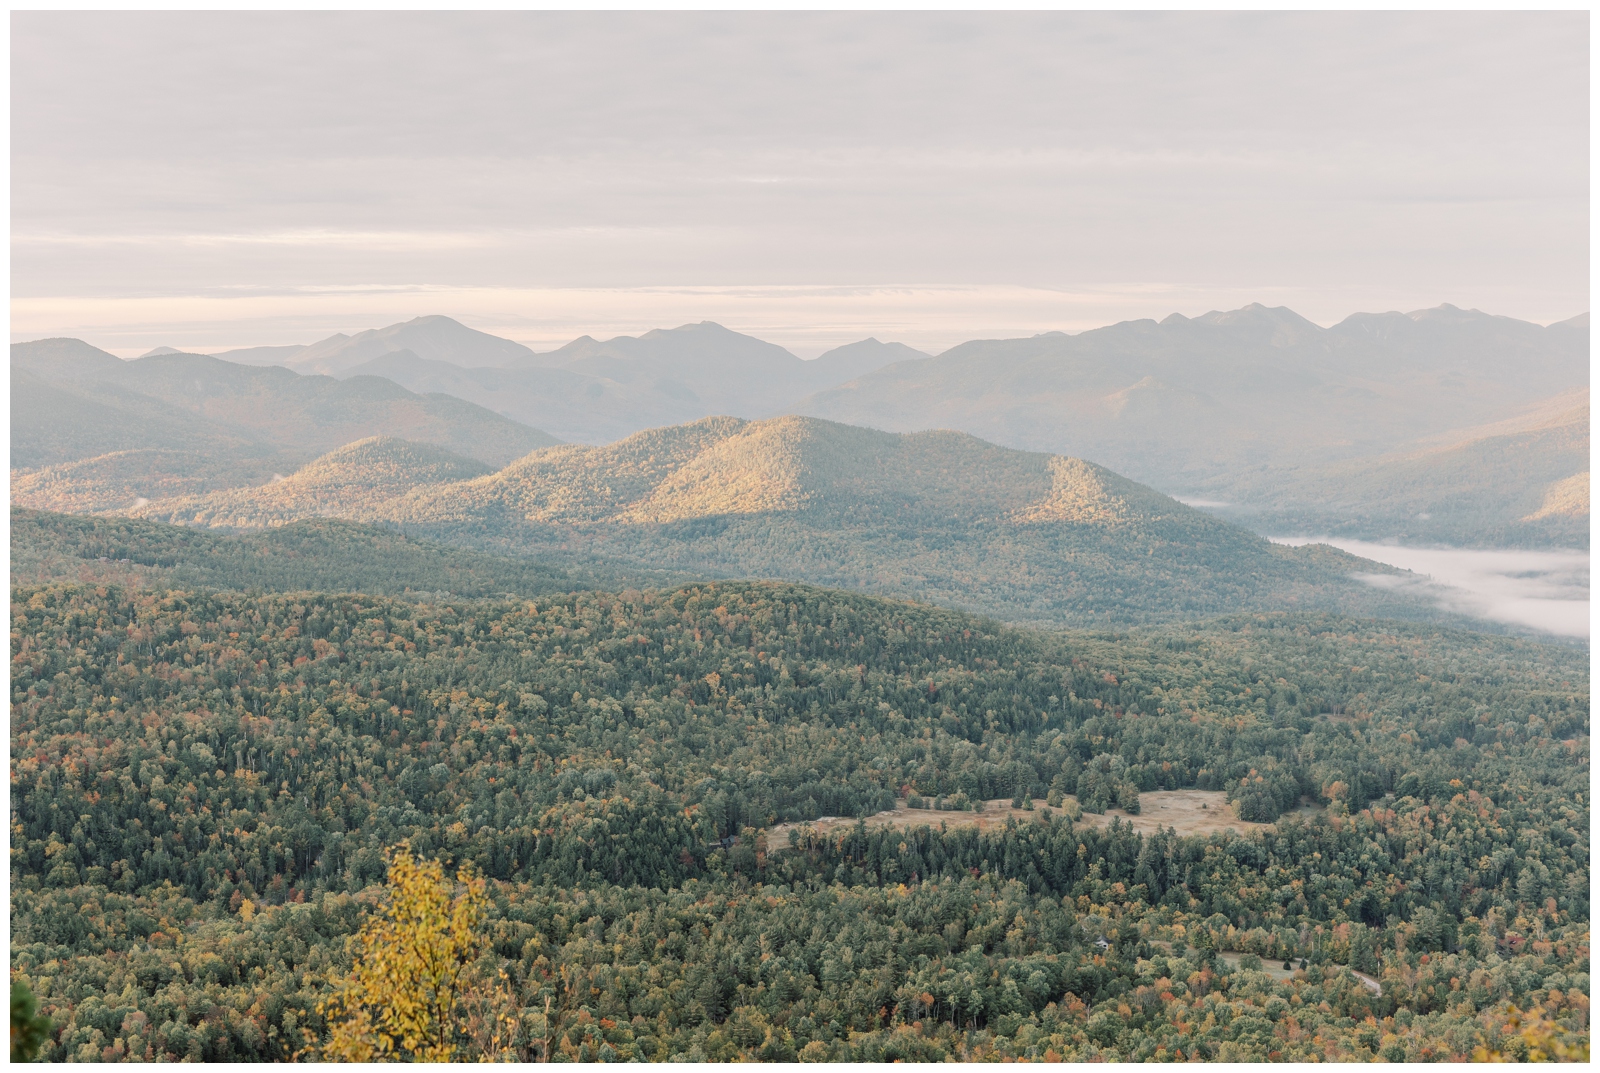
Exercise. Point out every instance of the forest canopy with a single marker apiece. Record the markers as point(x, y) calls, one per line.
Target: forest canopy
point(205, 785)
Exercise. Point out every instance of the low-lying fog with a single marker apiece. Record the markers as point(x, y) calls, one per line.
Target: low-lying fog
point(1547, 590)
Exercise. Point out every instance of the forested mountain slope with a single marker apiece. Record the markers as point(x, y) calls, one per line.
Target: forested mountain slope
point(323, 554)
point(938, 516)
point(1518, 482)
point(355, 480)
point(203, 785)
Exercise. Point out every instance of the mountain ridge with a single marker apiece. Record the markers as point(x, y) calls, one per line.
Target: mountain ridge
point(938, 516)
point(198, 400)
point(1226, 392)
point(1230, 405)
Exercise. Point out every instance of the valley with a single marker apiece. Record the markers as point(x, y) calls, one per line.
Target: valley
point(672, 696)
point(1546, 590)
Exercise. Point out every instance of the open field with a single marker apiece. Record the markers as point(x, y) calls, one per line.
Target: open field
point(1189, 812)
point(1276, 970)
point(1272, 968)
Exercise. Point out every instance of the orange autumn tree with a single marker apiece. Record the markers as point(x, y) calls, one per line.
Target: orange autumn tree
point(413, 962)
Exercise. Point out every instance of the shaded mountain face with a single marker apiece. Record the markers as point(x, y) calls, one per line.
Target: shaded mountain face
point(1191, 403)
point(596, 392)
point(1523, 481)
point(305, 414)
point(939, 516)
point(63, 359)
point(856, 359)
point(92, 432)
point(435, 338)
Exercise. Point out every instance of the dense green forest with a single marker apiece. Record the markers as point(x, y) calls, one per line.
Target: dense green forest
point(204, 784)
point(323, 555)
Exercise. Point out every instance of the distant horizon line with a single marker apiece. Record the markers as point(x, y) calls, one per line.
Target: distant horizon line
point(214, 350)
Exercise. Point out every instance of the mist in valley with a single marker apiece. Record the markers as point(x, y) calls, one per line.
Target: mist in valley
point(1545, 589)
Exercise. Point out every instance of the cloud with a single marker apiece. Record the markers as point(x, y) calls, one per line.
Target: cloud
point(1434, 156)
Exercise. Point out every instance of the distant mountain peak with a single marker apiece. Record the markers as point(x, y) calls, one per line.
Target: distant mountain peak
point(1447, 312)
point(433, 337)
point(158, 351)
point(707, 327)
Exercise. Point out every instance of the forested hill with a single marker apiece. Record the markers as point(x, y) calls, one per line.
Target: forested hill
point(322, 555)
point(203, 784)
point(936, 516)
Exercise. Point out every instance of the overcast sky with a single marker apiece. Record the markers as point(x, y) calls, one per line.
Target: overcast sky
point(208, 180)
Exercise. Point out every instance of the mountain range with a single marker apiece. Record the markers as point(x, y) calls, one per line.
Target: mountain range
point(1258, 412)
point(1195, 405)
point(588, 390)
point(596, 392)
point(90, 432)
point(937, 516)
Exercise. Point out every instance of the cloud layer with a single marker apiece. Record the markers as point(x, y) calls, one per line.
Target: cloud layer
point(186, 171)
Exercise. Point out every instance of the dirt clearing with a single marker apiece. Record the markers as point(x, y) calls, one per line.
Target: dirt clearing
point(1189, 812)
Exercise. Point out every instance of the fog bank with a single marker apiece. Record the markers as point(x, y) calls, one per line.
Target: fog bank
point(1547, 590)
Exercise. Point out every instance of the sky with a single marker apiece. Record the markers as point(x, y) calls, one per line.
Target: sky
point(207, 180)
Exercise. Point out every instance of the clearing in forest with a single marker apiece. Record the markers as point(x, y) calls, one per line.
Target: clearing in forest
point(1189, 812)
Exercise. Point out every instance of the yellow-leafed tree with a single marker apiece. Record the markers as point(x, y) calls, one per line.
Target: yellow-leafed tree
point(413, 962)
point(1543, 1038)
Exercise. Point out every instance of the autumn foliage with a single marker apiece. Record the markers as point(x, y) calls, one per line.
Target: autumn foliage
point(412, 962)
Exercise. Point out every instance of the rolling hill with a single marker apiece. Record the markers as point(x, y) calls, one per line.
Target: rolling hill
point(356, 480)
point(125, 480)
point(316, 555)
point(937, 516)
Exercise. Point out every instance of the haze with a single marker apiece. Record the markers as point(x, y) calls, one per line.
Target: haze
point(208, 180)
point(1547, 589)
